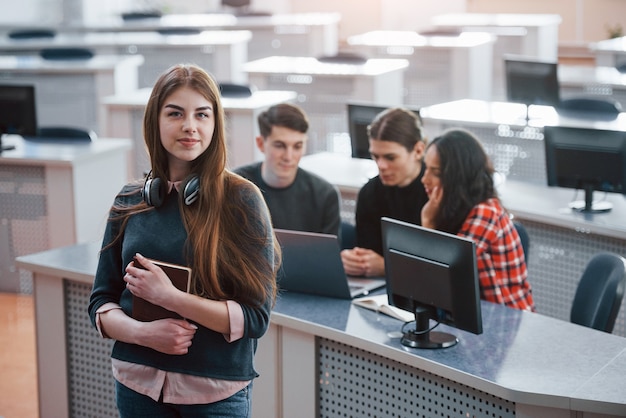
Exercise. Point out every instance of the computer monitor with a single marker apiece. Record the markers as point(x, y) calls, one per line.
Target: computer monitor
point(434, 275)
point(588, 159)
point(360, 115)
point(17, 111)
point(531, 81)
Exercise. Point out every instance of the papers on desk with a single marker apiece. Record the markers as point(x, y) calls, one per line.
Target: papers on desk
point(379, 303)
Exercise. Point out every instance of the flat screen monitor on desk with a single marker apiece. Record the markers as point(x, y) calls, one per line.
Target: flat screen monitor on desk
point(360, 115)
point(531, 81)
point(586, 159)
point(434, 275)
point(17, 111)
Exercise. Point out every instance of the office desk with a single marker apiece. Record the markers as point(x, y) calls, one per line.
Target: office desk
point(124, 115)
point(53, 195)
point(610, 52)
point(67, 92)
point(531, 35)
point(441, 68)
point(561, 241)
point(324, 89)
point(514, 144)
point(324, 357)
point(593, 81)
point(308, 34)
point(220, 52)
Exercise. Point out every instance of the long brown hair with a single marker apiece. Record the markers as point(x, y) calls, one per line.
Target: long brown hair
point(466, 177)
point(225, 226)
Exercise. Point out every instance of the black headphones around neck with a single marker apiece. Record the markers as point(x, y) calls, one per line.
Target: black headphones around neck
point(155, 189)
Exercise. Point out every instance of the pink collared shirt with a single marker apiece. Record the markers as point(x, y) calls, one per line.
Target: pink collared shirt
point(178, 388)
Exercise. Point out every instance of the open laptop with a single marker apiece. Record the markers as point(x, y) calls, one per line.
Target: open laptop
point(312, 264)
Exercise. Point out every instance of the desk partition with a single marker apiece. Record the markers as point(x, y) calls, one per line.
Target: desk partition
point(530, 35)
point(220, 52)
point(441, 68)
point(324, 88)
point(68, 92)
point(324, 357)
point(592, 81)
point(54, 194)
point(294, 34)
point(514, 143)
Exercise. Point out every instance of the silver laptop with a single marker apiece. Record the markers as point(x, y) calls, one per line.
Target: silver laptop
point(312, 264)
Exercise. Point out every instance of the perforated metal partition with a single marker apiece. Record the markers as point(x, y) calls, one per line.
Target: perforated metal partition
point(91, 384)
point(23, 223)
point(517, 152)
point(356, 383)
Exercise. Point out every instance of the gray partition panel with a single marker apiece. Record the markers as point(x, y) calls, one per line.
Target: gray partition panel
point(557, 259)
point(91, 384)
point(356, 383)
point(23, 223)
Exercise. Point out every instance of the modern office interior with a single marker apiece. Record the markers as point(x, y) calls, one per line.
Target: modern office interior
point(541, 84)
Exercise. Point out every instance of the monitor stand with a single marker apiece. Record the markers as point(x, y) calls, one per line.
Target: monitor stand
point(588, 205)
point(5, 147)
point(421, 337)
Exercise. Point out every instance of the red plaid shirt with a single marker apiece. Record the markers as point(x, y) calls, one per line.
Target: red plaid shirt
point(499, 255)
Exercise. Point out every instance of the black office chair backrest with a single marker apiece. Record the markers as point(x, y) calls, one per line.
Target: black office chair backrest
point(66, 53)
point(32, 33)
point(233, 90)
point(600, 292)
point(348, 235)
point(65, 134)
point(343, 58)
point(592, 105)
point(179, 31)
point(141, 14)
point(524, 237)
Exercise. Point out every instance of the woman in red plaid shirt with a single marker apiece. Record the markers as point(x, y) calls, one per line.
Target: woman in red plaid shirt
point(463, 201)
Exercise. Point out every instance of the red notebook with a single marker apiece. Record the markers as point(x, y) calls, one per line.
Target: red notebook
point(146, 311)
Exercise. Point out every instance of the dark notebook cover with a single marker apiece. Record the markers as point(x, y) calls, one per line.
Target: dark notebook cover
point(146, 311)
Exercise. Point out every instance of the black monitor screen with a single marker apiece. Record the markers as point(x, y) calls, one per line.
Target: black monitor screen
point(434, 275)
point(531, 82)
point(359, 118)
point(17, 110)
point(587, 159)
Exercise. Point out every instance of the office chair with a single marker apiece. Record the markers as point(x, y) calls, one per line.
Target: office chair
point(621, 68)
point(232, 90)
point(525, 238)
point(591, 106)
point(66, 53)
point(65, 134)
point(179, 31)
point(600, 292)
point(138, 15)
point(343, 58)
point(348, 235)
point(32, 33)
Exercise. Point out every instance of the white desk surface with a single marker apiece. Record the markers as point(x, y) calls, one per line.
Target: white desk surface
point(214, 21)
point(122, 39)
point(309, 65)
point(503, 113)
point(610, 45)
point(36, 64)
point(496, 19)
point(347, 173)
point(585, 74)
point(58, 153)
point(416, 40)
point(139, 98)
